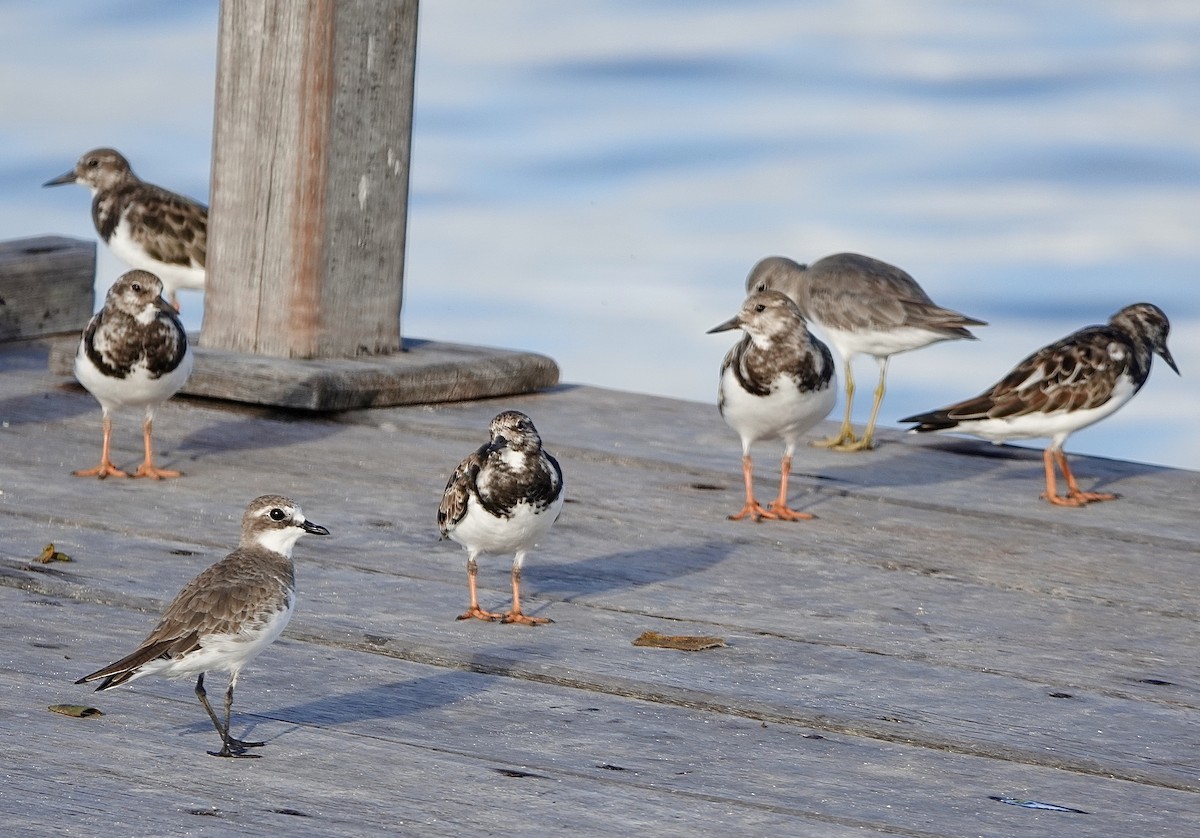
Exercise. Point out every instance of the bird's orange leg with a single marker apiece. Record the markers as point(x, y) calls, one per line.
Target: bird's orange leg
point(106, 467)
point(516, 615)
point(1049, 458)
point(147, 468)
point(475, 611)
point(778, 507)
point(751, 509)
point(1073, 490)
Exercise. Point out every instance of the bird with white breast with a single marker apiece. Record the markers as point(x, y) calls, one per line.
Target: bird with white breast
point(226, 616)
point(145, 226)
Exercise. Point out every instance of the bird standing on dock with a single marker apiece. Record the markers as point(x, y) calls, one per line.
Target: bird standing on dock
point(1061, 388)
point(227, 615)
point(777, 382)
point(134, 353)
point(867, 307)
point(146, 226)
point(502, 499)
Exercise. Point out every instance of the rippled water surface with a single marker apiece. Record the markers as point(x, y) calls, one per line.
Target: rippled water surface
point(593, 180)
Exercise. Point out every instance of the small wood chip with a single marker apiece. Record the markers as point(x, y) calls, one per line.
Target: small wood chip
point(49, 554)
point(79, 711)
point(686, 642)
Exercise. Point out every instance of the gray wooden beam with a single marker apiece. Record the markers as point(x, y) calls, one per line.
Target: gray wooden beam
point(427, 372)
point(46, 286)
point(310, 177)
point(309, 206)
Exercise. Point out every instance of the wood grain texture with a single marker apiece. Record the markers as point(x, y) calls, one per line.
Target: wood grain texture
point(310, 177)
point(45, 286)
point(936, 637)
point(427, 372)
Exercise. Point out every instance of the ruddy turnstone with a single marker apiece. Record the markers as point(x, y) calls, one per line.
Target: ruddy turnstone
point(226, 616)
point(1061, 388)
point(864, 306)
point(503, 499)
point(134, 353)
point(146, 226)
point(777, 382)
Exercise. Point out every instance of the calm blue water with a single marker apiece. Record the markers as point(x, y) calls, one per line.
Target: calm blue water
point(594, 179)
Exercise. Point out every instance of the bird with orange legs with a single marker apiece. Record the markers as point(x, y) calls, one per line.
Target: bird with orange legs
point(1061, 388)
point(133, 353)
point(777, 382)
point(503, 498)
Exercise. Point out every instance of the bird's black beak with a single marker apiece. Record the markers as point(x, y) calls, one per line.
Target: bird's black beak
point(315, 529)
point(1165, 354)
point(69, 177)
point(734, 322)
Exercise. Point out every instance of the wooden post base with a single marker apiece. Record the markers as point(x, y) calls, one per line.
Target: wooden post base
point(427, 372)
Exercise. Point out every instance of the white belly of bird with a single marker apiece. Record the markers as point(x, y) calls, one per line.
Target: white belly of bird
point(1057, 425)
point(224, 652)
point(136, 389)
point(173, 276)
point(479, 530)
point(787, 413)
point(880, 343)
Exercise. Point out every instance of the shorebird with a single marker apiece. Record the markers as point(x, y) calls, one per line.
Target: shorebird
point(146, 226)
point(502, 499)
point(866, 307)
point(133, 353)
point(1061, 388)
point(227, 615)
point(776, 383)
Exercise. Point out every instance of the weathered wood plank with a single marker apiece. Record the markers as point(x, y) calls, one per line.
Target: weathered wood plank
point(538, 757)
point(425, 373)
point(310, 177)
point(949, 635)
point(45, 286)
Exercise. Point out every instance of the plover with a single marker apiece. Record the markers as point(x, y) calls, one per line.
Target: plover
point(146, 226)
point(226, 616)
point(864, 306)
point(1061, 388)
point(502, 499)
point(134, 353)
point(778, 382)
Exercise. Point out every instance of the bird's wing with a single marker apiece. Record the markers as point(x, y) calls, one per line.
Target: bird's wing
point(1077, 373)
point(177, 227)
point(461, 486)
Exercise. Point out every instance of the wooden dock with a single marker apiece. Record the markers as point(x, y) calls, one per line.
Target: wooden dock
point(935, 649)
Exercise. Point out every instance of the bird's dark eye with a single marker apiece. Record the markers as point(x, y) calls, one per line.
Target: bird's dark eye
point(93, 163)
point(137, 286)
point(762, 286)
point(277, 514)
point(760, 307)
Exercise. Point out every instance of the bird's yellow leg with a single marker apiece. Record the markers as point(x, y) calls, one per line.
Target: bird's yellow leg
point(867, 441)
point(845, 434)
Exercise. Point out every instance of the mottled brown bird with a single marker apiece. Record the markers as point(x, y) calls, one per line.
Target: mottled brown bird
point(1061, 388)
